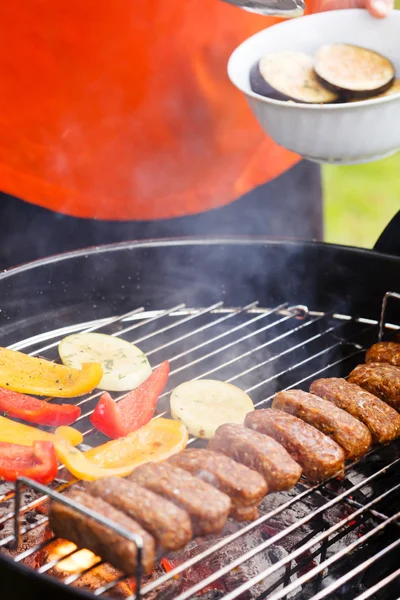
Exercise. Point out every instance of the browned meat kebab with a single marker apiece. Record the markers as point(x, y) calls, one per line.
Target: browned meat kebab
point(384, 352)
point(258, 452)
point(169, 524)
point(380, 379)
point(67, 523)
point(245, 487)
point(244, 513)
point(319, 456)
point(208, 508)
point(380, 418)
point(348, 432)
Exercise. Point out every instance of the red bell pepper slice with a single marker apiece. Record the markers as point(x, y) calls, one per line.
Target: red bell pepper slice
point(134, 410)
point(37, 411)
point(38, 462)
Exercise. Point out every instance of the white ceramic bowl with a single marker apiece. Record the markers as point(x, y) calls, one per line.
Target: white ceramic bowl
point(338, 133)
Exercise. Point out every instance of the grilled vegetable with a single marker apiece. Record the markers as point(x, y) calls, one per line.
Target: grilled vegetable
point(124, 365)
point(38, 463)
point(37, 411)
point(394, 89)
point(205, 404)
point(27, 374)
point(132, 412)
point(158, 440)
point(353, 72)
point(81, 467)
point(17, 433)
point(289, 76)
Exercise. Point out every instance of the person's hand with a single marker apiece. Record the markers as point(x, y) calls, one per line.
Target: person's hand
point(377, 8)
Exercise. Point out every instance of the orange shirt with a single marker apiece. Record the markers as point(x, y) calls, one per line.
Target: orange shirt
point(122, 109)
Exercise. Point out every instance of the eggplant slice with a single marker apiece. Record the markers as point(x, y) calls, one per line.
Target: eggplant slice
point(353, 72)
point(392, 91)
point(289, 76)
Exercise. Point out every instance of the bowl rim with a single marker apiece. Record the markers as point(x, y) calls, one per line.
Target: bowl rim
point(354, 105)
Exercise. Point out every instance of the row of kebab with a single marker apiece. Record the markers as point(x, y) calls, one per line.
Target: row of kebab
point(144, 480)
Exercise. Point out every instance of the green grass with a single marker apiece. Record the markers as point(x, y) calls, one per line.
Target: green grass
point(359, 201)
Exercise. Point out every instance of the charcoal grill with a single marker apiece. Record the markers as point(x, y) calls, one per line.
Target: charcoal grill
point(265, 316)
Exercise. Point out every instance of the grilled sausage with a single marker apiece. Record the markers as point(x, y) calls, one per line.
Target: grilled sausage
point(169, 524)
point(244, 513)
point(245, 487)
point(258, 452)
point(380, 418)
point(319, 456)
point(385, 352)
point(380, 379)
point(348, 432)
point(208, 508)
point(83, 531)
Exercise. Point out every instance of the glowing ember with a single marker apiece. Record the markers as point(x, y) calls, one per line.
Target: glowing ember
point(79, 561)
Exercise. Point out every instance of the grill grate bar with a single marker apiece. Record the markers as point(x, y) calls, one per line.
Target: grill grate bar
point(40, 500)
point(105, 323)
point(293, 367)
point(136, 539)
point(224, 318)
point(53, 563)
point(383, 312)
point(293, 555)
point(204, 356)
point(324, 564)
point(378, 586)
point(72, 578)
point(37, 548)
point(177, 323)
point(92, 328)
point(10, 539)
point(284, 314)
point(108, 586)
point(262, 346)
point(205, 327)
point(333, 364)
point(164, 313)
point(223, 365)
point(350, 574)
point(234, 342)
point(284, 353)
point(225, 541)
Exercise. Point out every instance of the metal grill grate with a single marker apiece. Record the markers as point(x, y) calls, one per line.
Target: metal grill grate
point(318, 533)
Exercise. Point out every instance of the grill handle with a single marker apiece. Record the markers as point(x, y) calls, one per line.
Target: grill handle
point(389, 240)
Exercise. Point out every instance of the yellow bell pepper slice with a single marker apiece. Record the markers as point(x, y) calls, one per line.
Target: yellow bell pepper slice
point(17, 433)
point(156, 441)
point(31, 375)
point(81, 467)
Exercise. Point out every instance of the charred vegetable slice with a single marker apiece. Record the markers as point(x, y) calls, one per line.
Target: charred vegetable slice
point(125, 367)
point(27, 374)
point(38, 462)
point(352, 71)
point(205, 404)
point(392, 91)
point(37, 411)
point(133, 411)
point(289, 76)
point(18, 433)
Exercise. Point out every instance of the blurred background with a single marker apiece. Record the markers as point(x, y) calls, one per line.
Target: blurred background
point(359, 201)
